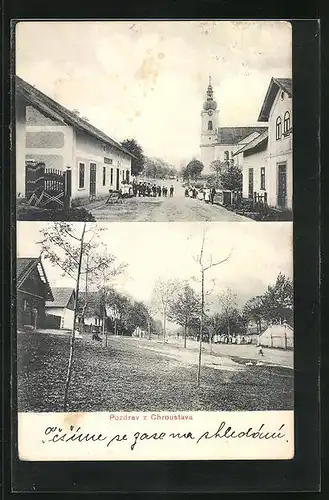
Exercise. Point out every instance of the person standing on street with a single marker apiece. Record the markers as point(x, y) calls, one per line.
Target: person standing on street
point(171, 191)
point(212, 195)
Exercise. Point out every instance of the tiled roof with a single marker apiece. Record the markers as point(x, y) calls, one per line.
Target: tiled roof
point(61, 297)
point(24, 266)
point(252, 144)
point(233, 135)
point(58, 112)
point(273, 88)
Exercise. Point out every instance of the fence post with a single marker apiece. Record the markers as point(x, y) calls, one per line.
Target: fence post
point(67, 188)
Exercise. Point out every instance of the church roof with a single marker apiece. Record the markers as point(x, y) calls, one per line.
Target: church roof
point(275, 85)
point(233, 135)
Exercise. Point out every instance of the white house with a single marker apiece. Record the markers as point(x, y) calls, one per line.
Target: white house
point(48, 132)
point(281, 336)
point(267, 161)
point(62, 306)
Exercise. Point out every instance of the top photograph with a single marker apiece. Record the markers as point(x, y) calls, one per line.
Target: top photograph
point(153, 121)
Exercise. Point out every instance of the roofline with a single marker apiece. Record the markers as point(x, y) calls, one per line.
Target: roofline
point(248, 146)
point(262, 115)
point(27, 271)
point(19, 88)
point(72, 293)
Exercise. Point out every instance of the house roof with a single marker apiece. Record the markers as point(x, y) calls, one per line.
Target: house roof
point(24, 266)
point(61, 297)
point(94, 306)
point(262, 138)
point(275, 85)
point(277, 329)
point(58, 112)
point(233, 135)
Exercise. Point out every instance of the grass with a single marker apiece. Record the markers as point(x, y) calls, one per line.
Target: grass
point(126, 377)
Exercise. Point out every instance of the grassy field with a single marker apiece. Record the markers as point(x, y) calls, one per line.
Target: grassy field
point(135, 376)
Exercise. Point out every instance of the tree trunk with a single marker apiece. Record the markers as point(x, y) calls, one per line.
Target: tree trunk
point(104, 330)
point(228, 327)
point(185, 334)
point(164, 326)
point(201, 326)
point(149, 327)
point(70, 363)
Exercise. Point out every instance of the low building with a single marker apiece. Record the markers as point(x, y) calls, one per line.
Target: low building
point(33, 291)
point(48, 133)
point(267, 160)
point(281, 336)
point(62, 306)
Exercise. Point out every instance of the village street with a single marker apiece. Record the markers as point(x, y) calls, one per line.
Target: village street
point(163, 209)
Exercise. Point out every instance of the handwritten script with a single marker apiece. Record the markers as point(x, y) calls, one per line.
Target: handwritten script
point(224, 431)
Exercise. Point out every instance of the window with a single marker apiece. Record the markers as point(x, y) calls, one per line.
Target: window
point(210, 125)
point(81, 175)
point(282, 95)
point(104, 176)
point(262, 178)
point(123, 175)
point(278, 126)
point(226, 155)
point(111, 176)
point(286, 122)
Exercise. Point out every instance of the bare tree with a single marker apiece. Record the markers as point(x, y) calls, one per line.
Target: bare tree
point(71, 250)
point(162, 295)
point(204, 267)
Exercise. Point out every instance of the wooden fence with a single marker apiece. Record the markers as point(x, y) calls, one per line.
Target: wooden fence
point(47, 187)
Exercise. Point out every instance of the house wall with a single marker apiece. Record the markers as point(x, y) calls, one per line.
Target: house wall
point(66, 314)
point(255, 161)
point(20, 146)
point(30, 309)
point(280, 151)
point(91, 150)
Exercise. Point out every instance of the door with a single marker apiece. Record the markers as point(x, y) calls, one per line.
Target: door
point(118, 180)
point(92, 180)
point(251, 183)
point(282, 185)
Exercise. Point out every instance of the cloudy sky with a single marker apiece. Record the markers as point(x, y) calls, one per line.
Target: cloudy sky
point(147, 80)
point(167, 250)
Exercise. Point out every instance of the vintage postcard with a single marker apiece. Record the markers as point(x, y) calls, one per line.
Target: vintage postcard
point(154, 270)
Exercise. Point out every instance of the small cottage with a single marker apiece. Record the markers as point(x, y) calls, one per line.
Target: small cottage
point(62, 306)
point(33, 291)
point(281, 336)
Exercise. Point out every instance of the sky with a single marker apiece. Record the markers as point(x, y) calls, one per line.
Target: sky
point(148, 79)
point(167, 250)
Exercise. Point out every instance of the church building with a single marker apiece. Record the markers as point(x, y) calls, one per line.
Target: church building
point(220, 143)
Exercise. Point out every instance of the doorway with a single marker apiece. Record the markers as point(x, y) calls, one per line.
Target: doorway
point(251, 183)
point(282, 185)
point(118, 179)
point(92, 181)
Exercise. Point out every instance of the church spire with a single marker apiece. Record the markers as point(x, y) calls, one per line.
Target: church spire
point(210, 102)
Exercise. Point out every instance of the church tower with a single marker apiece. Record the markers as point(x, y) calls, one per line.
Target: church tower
point(209, 127)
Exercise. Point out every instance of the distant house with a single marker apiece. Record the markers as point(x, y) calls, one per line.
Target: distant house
point(48, 133)
point(92, 315)
point(33, 291)
point(62, 306)
point(281, 336)
point(267, 159)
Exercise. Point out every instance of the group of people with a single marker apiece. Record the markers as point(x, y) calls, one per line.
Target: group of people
point(231, 339)
point(145, 189)
point(206, 194)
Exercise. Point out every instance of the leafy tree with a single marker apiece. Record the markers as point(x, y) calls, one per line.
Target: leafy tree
point(217, 167)
point(228, 308)
point(254, 310)
point(231, 178)
point(162, 295)
point(184, 307)
point(69, 248)
point(138, 161)
point(278, 300)
point(193, 170)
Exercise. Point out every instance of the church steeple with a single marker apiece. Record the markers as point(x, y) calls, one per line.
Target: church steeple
point(209, 126)
point(210, 103)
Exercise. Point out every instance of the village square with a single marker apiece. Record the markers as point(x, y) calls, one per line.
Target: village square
point(102, 326)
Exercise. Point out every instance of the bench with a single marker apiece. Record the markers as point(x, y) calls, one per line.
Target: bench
point(114, 197)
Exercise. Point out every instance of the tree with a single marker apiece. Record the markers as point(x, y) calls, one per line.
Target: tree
point(184, 307)
point(217, 167)
point(162, 295)
point(193, 170)
point(69, 249)
point(137, 162)
point(231, 178)
point(228, 307)
point(278, 300)
point(254, 310)
point(203, 269)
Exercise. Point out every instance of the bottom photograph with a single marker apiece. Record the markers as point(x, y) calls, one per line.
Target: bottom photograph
point(166, 317)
